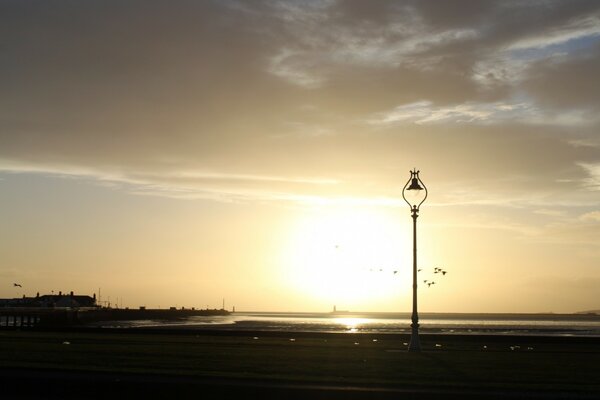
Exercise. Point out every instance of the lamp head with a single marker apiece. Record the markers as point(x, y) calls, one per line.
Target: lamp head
point(415, 190)
point(414, 184)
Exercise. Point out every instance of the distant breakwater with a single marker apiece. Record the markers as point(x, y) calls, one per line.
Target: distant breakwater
point(21, 317)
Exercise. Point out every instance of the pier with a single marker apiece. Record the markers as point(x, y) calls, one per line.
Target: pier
point(25, 317)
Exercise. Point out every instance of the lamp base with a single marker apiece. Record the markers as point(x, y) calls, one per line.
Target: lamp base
point(415, 344)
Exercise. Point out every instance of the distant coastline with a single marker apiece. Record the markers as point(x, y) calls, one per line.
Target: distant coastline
point(436, 315)
point(592, 312)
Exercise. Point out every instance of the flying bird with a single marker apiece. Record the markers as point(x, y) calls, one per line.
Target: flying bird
point(420, 269)
point(395, 272)
point(17, 284)
point(425, 281)
point(444, 272)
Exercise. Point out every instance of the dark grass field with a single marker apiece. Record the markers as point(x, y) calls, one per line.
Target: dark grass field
point(62, 364)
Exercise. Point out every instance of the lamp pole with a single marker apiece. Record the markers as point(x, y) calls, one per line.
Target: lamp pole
point(416, 186)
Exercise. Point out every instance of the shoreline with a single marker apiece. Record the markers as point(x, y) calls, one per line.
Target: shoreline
point(450, 330)
point(189, 330)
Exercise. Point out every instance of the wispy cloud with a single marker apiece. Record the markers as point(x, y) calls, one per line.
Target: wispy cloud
point(383, 52)
point(592, 182)
point(185, 184)
point(296, 68)
point(586, 142)
point(204, 176)
point(587, 27)
point(425, 112)
point(334, 43)
point(591, 216)
point(511, 64)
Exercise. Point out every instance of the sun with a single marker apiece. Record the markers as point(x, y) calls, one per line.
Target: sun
point(349, 257)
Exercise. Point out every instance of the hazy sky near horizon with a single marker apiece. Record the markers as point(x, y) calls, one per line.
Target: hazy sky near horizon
point(175, 153)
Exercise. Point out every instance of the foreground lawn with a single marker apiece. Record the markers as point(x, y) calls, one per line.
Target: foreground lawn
point(359, 360)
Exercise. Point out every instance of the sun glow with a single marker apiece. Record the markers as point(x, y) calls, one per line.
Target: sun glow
point(352, 258)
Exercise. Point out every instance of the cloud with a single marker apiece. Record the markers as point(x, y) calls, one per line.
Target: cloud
point(587, 142)
point(424, 112)
point(593, 216)
point(567, 82)
point(293, 67)
point(584, 27)
point(592, 181)
point(310, 60)
point(184, 184)
point(564, 34)
point(312, 100)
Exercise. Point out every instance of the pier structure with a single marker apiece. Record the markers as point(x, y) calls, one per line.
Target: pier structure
point(25, 317)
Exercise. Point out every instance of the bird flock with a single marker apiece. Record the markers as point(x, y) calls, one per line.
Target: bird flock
point(436, 270)
point(395, 271)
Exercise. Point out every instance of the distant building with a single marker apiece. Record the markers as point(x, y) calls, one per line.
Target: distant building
point(59, 300)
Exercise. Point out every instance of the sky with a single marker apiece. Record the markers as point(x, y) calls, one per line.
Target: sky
point(181, 153)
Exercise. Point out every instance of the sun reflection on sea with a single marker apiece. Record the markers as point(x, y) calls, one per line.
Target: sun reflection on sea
point(351, 324)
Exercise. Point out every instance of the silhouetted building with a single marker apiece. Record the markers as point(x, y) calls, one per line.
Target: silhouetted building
point(59, 300)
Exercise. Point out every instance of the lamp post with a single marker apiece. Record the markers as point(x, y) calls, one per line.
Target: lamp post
point(417, 193)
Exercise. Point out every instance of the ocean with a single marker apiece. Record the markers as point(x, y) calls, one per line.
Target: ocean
point(502, 324)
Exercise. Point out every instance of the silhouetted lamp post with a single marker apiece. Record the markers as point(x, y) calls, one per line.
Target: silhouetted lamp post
point(416, 192)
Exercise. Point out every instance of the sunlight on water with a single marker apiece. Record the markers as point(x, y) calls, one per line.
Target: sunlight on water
point(378, 323)
point(351, 324)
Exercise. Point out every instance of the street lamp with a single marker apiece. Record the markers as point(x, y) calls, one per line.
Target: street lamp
point(417, 193)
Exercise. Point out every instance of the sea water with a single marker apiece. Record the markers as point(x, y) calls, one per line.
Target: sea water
point(507, 324)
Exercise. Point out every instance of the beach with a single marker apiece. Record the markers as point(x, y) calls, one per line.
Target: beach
point(270, 364)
